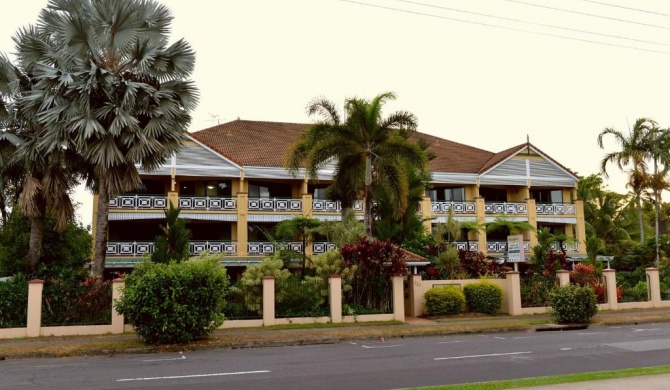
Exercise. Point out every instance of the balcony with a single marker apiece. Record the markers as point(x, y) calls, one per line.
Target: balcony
point(275, 205)
point(463, 245)
point(333, 206)
point(555, 209)
point(457, 207)
point(207, 203)
point(501, 246)
point(568, 247)
point(505, 208)
point(139, 202)
point(267, 248)
point(134, 248)
point(322, 247)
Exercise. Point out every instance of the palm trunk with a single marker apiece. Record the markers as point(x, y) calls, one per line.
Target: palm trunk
point(657, 207)
point(101, 228)
point(638, 203)
point(36, 238)
point(368, 212)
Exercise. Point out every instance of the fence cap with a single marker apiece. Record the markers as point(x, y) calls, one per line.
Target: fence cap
point(334, 276)
point(512, 273)
point(562, 271)
point(35, 281)
point(268, 277)
point(651, 269)
point(118, 280)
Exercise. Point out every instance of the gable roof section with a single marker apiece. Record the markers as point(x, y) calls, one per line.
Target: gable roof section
point(452, 157)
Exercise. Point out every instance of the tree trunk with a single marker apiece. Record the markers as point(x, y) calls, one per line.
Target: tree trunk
point(657, 206)
point(368, 212)
point(638, 203)
point(101, 228)
point(36, 238)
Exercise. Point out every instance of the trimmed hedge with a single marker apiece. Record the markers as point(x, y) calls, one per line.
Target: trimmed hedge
point(573, 304)
point(483, 297)
point(176, 302)
point(444, 300)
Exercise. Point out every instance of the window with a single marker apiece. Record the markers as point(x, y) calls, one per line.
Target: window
point(205, 188)
point(150, 187)
point(547, 196)
point(269, 190)
point(493, 194)
point(455, 194)
point(318, 192)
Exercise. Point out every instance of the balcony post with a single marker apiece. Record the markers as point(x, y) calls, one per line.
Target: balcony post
point(173, 198)
point(426, 214)
point(481, 219)
point(532, 219)
point(242, 225)
point(581, 226)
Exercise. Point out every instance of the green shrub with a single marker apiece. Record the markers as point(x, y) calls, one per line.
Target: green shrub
point(536, 290)
point(176, 302)
point(573, 304)
point(14, 302)
point(483, 297)
point(250, 285)
point(444, 300)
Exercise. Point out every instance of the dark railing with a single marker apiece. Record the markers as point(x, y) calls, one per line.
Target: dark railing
point(368, 297)
point(77, 304)
point(301, 298)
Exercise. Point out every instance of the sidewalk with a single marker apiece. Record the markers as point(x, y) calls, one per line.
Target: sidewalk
point(647, 382)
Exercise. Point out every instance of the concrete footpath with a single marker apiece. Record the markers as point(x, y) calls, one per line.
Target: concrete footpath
point(647, 382)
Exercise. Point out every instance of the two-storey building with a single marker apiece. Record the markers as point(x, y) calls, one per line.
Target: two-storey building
point(231, 185)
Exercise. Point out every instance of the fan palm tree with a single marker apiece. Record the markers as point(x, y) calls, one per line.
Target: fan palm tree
point(509, 226)
point(633, 151)
point(469, 227)
point(120, 91)
point(368, 149)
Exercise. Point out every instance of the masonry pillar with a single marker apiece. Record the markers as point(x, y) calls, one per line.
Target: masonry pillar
point(242, 223)
point(653, 286)
point(268, 300)
point(117, 319)
point(34, 321)
point(580, 228)
point(415, 296)
point(563, 277)
point(514, 291)
point(481, 219)
point(335, 294)
point(610, 283)
point(532, 220)
point(427, 214)
point(398, 299)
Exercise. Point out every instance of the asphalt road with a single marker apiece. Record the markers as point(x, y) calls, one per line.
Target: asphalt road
point(374, 364)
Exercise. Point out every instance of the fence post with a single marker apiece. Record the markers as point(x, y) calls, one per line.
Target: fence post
point(563, 277)
point(653, 286)
point(335, 294)
point(415, 298)
point(34, 322)
point(610, 283)
point(268, 300)
point(514, 291)
point(117, 319)
point(398, 299)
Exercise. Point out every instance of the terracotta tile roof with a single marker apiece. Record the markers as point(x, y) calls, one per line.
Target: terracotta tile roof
point(264, 144)
point(411, 256)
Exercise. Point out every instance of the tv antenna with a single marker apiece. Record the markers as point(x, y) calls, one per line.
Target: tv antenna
point(215, 117)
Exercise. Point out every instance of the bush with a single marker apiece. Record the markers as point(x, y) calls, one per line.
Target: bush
point(176, 302)
point(573, 304)
point(444, 300)
point(536, 290)
point(250, 285)
point(14, 302)
point(483, 297)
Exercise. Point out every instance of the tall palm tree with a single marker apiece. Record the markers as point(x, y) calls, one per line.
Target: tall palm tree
point(121, 91)
point(633, 151)
point(658, 144)
point(369, 149)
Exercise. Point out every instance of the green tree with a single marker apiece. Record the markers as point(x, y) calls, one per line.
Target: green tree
point(369, 150)
point(300, 227)
point(509, 226)
point(657, 148)
point(120, 93)
point(633, 151)
point(345, 232)
point(173, 244)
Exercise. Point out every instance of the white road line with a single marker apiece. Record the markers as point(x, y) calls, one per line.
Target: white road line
point(588, 334)
point(566, 349)
point(478, 356)
point(499, 338)
point(523, 337)
point(644, 330)
point(451, 342)
point(193, 376)
point(165, 360)
point(63, 365)
point(381, 346)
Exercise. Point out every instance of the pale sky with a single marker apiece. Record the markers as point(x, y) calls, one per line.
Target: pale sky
point(465, 79)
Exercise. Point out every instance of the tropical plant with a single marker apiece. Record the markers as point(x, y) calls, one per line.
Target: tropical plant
point(250, 285)
point(173, 244)
point(444, 300)
point(347, 231)
point(370, 151)
point(109, 87)
point(572, 304)
point(301, 227)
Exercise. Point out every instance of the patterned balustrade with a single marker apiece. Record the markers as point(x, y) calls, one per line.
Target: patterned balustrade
point(322, 247)
point(139, 202)
point(332, 206)
point(505, 208)
point(129, 248)
point(268, 248)
point(501, 246)
point(555, 209)
point(196, 248)
point(457, 207)
point(568, 247)
point(275, 204)
point(474, 246)
point(207, 203)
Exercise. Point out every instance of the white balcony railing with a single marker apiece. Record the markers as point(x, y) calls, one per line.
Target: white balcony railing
point(457, 207)
point(332, 206)
point(139, 202)
point(505, 208)
point(474, 245)
point(501, 246)
point(207, 203)
point(322, 247)
point(134, 248)
point(268, 248)
point(275, 204)
point(568, 247)
point(555, 209)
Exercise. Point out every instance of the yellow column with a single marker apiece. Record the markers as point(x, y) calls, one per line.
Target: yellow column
point(34, 321)
point(532, 219)
point(173, 198)
point(581, 226)
point(242, 224)
point(481, 219)
point(426, 214)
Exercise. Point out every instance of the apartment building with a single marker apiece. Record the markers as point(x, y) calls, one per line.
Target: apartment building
point(231, 185)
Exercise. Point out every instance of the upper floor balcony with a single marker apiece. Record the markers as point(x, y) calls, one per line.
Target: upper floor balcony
point(506, 208)
point(444, 207)
point(555, 209)
point(228, 248)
